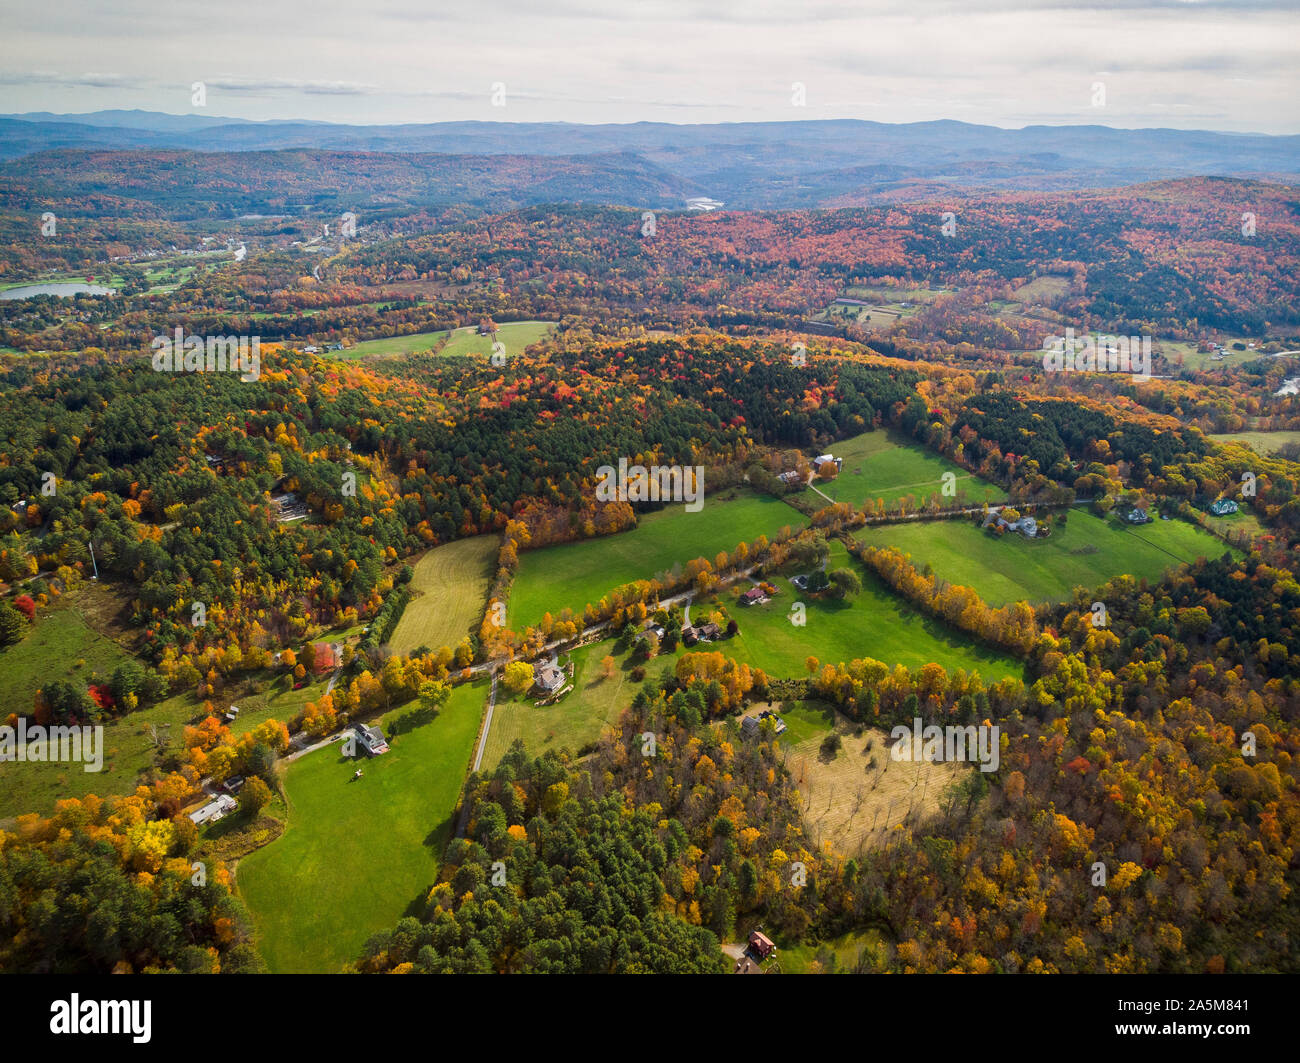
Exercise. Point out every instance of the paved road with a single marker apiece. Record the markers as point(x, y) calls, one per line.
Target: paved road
point(487, 724)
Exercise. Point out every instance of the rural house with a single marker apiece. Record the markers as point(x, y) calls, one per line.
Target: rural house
point(753, 596)
point(1027, 526)
point(372, 739)
point(761, 945)
point(548, 677)
point(1223, 507)
point(218, 808)
point(751, 725)
point(824, 459)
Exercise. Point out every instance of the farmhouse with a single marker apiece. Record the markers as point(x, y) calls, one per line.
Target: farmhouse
point(790, 478)
point(1138, 516)
point(701, 633)
point(372, 739)
point(1027, 526)
point(753, 596)
point(751, 725)
point(218, 808)
point(548, 677)
point(1223, 507)
point(761, 945)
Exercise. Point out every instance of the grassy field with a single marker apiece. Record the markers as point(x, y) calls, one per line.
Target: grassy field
point(847, 948)
point(128, 750)
point(450, 590)
point(883, 465)
point(577, 718)
point(516, 335)
point(1241, 521)
point(575, 574)
point(1260, 442)
point(391, 346)
point(875, 623)
point(59, 645)
point(357, 856)
point(1042, 290)
point(1085, 553)
point(855, 797)
point(132, 742)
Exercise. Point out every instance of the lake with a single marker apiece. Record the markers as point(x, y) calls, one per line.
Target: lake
point(62, 288)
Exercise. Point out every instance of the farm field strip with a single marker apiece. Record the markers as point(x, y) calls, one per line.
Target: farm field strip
point(1086, 551)
point(573, 575)
point(450, 588)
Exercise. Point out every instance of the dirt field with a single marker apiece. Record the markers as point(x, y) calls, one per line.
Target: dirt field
point(852, 804)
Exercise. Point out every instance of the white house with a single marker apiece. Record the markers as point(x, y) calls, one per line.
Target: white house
point(548, 676)
point(372, 739)
point(218, 808)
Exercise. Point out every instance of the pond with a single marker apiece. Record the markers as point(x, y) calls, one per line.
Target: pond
point(61, 288)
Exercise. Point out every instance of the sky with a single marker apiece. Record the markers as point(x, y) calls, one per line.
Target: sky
point(1189, 64)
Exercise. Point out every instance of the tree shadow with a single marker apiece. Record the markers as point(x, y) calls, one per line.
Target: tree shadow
point(411, 719)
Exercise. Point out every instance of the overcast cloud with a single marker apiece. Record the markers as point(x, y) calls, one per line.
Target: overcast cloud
point(1215, 64)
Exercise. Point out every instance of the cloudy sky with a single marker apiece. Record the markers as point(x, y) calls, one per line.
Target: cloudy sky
point(1212, 64)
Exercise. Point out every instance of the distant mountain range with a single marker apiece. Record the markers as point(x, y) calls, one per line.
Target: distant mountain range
point(745, 165)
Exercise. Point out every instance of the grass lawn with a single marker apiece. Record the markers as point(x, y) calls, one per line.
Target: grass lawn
point(798, 958)
point(577, 718)
point(128, 750)
point(1087, 552)
point(1260, 442)
point(875, 623)
point(516, 335)
point(130, 747)
point(449, 591)
point(60, 644)
point(884, 465)
point(804, 720)
point(576, 574)
point(390, 346)
point(1241, 521)
point(357, 856)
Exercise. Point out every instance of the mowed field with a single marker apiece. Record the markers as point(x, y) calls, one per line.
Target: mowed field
point(579, 717)
point(855, 798)
point(358, 855)
point(876, 623)
point(1260, 442)
point(516, 335)
point(884, 465)
point(1086, 552)
point(449, 594)
point(576, 574)
point(390, 346)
